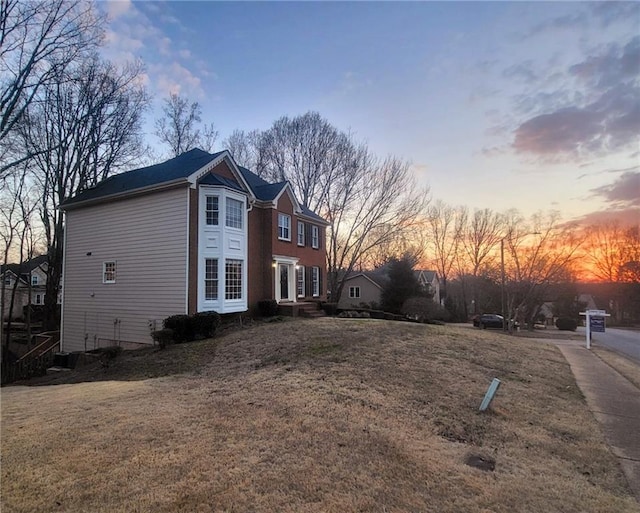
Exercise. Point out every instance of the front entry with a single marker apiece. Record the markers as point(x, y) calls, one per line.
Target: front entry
point(284, 284)
point(284, 281)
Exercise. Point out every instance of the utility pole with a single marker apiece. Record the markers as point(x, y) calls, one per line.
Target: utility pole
point(504, 316)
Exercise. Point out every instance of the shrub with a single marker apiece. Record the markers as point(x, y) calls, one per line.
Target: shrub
point(205, 324)
point(191, 327)
point(268, 307)
point(566, 324)
point(181, 326)
point(376, 314)
point(330, 308)
point(162, 337)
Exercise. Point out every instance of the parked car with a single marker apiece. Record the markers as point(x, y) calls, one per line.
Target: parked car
point(490, 321)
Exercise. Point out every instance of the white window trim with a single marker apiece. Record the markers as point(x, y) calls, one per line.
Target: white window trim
point(206, 197)
point(354, 292)
point(34, 280)
point(227, 200)
point(282, 216)
point(301, 240)
point(104, 271)
point(315, 236)
point(315, 281)
point(300, 270)
point(217, 280)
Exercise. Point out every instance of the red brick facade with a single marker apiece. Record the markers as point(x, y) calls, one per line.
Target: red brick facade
point(264, 245)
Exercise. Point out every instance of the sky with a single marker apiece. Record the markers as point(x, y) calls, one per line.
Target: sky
point(527, 105)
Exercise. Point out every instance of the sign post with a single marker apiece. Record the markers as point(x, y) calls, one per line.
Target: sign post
point(594, 323)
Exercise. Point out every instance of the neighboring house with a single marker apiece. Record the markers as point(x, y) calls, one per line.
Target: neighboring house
point(366, 287)
point(195, 233)
point(31, 278)
point(430, 282)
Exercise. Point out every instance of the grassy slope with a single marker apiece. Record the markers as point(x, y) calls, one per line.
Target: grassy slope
point(329, 415)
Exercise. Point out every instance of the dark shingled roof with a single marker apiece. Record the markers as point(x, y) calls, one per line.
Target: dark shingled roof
point(179, 167)
point(182, 166)
point(25, 267)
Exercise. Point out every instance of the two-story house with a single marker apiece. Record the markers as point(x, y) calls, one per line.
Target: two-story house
point(195, 233)
point(30, 281)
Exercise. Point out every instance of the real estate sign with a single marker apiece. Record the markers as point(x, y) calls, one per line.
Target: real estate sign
point(596, 324)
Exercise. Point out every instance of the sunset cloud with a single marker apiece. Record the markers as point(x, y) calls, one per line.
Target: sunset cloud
point(624, 191)
point(603, 117)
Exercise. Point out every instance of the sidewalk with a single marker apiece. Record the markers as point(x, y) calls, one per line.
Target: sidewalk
point(614, 402)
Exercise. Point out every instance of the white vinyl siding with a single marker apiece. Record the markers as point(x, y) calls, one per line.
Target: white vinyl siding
point(147, 237)
point(284, 227)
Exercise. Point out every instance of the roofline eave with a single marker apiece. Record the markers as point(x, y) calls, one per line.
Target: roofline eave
point(126, 194)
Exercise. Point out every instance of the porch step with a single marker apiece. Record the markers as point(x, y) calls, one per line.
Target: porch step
point(311, 310)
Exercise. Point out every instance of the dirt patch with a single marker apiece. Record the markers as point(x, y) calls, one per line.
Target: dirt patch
point(318, 415)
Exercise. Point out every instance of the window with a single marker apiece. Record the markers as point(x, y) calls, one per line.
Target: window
point(284, 227)
point(38, 299)
point(300, 281)
point(211, 210)
point(7, 280)
point(315, 281)
point(211, 279)
point(34, 279)
point(315, 237)
point(300, 233)
point(108, 272)
point(354, 292)
point(233, 279)
point(234, 213)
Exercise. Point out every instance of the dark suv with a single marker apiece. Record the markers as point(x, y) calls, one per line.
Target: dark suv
point(488, 321)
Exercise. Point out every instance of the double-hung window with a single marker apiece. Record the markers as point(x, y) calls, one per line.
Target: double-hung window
point(300, 281)
point(211, 279)
point(300, 233)
point(315, 237)
point(315, 281)
point(212, 210)
point(234, 213)
point(108, 272)
point(354, 292)
point(34, 279)
point(284, 227)
point(233, 279)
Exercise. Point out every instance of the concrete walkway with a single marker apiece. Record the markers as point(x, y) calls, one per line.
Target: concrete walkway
point(615, 403)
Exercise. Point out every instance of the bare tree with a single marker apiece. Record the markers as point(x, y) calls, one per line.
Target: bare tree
point(180, 127)
point(18, 205)
point(89, 119)
point(446, 224)
point(248, 150)
point(369, 202)
point(539, 252)
point(613, 252)
point(38, 39)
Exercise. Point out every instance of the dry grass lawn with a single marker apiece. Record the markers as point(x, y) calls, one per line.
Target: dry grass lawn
point(326, 415)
